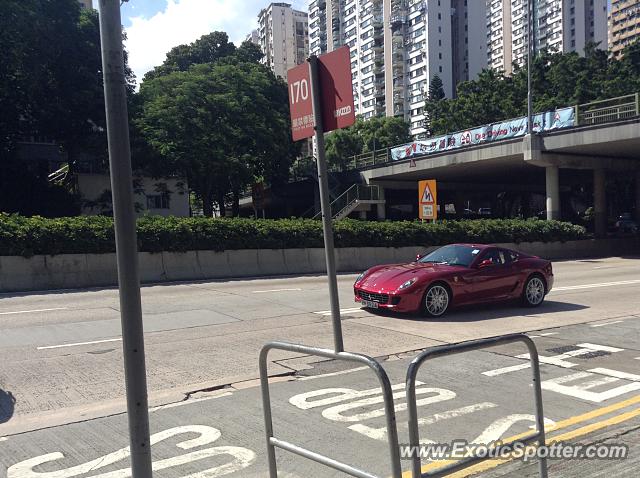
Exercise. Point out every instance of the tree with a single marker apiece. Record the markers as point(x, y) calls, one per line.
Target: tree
point(365, 136)
point(436, 89)
point(558, 79)
point(207, 49)
point(50, 86)
point(221, 125)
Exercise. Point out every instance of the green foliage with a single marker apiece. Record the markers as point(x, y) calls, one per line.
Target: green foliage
point(365, 136)
point(214, 115)
point(94, 234)
point(557, 80)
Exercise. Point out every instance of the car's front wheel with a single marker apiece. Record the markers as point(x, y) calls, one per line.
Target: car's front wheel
point(436, 300)
point(534, 291)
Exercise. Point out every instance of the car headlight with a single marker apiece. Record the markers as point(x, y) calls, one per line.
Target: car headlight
point(409, 283)
point(359, 278)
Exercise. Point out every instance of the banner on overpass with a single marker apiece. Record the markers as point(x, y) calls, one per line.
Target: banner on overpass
point(548, 121)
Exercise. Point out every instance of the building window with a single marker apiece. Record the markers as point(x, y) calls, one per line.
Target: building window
point(158, 201)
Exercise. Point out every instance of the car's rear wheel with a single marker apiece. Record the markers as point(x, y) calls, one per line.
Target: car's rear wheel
point(534, 291)
point(436, 300)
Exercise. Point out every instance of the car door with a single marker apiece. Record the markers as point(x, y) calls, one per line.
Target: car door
point(490, 281)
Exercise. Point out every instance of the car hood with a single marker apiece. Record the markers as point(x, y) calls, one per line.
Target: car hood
point(389, 278)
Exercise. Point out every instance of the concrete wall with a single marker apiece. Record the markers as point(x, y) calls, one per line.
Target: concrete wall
point(70, 271)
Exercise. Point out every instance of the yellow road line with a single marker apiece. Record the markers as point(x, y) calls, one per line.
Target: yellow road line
point(598, 412)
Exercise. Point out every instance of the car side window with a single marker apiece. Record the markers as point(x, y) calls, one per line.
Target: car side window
point(495, 256)
point(510, 256)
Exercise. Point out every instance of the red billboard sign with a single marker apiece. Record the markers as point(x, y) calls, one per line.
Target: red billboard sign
point(336, 90)
point(334, 70)
point(300, 104)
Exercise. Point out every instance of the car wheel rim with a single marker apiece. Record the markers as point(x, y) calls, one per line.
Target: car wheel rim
point(535, 291)
point(437, 300)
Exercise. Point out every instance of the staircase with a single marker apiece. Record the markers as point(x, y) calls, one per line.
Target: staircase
point(353, 197)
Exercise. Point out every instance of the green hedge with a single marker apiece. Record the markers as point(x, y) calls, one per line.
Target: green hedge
point(26, 236)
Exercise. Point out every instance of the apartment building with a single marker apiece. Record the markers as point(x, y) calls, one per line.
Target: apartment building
point(398, 46)
point(283, 37)
point(85, 3)
point(559, 25)
point(624, 25)
point(253, 37)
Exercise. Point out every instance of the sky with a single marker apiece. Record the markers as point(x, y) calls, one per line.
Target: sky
point(155, 26)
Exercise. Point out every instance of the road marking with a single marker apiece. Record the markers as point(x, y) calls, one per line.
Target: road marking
point(272, 290)
point(545, 334)
point(34, 310)
point(594, 286)
point(489, 464)
point(238, 458)
point(557, 360)
point(333, 374)
point(607, 323)
point(78, 343)
point(342, 311)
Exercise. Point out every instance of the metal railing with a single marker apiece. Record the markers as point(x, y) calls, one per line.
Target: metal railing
point(444, 350)
point(273, 442)
point(348, 199)
point(606, 111)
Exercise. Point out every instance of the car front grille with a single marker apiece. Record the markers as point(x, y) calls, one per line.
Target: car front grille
point(380, 298)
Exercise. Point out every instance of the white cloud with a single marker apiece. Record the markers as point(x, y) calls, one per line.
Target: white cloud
point(183, 21)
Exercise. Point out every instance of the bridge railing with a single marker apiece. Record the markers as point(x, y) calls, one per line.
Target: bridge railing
point(606, 111)
point(595, 112)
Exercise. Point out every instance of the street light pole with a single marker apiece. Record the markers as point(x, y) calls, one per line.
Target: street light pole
point(115, 98)
point(530, 49)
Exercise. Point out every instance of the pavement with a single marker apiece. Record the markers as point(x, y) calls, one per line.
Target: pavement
point(61, 381)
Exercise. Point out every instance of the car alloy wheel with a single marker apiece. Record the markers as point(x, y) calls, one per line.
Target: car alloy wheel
point(534, 291)
point(436, 300)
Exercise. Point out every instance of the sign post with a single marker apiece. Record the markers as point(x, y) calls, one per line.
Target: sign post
point(321, 100)
point(125, 231)
point(427, 199)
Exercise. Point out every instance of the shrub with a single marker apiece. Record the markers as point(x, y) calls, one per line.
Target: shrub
point(26, 236)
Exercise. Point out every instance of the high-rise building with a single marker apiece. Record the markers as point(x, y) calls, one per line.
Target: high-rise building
point(398, 46)
point(253, 37)
point(559, 25)
point(624, 25)
point(283, 34)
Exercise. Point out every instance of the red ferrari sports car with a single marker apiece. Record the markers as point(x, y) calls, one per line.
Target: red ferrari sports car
point(456, 274)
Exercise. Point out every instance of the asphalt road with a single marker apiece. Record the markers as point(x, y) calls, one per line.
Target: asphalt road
point(61, 375)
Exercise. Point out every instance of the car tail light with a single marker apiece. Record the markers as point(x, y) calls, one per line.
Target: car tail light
point(548, 269)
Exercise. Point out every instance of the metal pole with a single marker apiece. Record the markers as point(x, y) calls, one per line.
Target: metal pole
point(530, 48)
point(325, 205)
point(125, 231)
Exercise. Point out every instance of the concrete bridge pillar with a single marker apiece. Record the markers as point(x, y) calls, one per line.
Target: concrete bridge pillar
point(553, 192)
point(381, 208)
point(638, 196)
point(600, 202)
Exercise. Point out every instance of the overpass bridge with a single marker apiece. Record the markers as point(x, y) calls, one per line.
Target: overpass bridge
point(605, 141)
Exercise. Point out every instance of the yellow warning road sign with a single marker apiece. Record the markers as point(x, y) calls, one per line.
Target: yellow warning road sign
point(427, 199)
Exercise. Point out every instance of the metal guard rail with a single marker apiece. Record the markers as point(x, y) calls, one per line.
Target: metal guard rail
point(356, 192)
point(444, 350)
point(273, 442)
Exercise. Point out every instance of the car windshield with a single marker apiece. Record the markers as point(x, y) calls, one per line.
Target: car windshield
point(452, 255)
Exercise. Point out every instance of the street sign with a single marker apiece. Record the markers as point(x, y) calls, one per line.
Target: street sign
point(336, 91)
point(336, 88)
point(300, 104)
point(427, 199)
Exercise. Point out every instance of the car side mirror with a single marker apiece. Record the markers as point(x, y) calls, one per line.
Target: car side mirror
point(485, 263)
